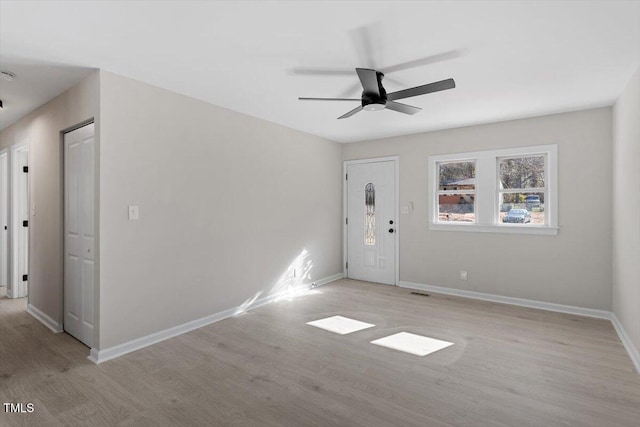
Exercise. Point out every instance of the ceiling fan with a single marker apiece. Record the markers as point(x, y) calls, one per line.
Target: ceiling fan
point(375, 97)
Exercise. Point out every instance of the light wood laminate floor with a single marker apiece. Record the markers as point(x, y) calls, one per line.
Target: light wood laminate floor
point(509, 366)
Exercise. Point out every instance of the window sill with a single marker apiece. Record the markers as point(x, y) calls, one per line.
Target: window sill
point(506, 229)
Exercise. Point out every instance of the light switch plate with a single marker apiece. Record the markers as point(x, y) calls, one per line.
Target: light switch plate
point(134, 212)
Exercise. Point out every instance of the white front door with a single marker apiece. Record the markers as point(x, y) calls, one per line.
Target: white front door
point(79, 233)
point(4, 219)
point(371, 222)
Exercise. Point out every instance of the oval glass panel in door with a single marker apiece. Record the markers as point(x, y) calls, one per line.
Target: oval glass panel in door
point(369, 215)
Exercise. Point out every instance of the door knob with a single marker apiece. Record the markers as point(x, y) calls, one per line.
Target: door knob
point(391, 230)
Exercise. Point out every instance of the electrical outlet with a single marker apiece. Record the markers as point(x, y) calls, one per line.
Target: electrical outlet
point(463, 274)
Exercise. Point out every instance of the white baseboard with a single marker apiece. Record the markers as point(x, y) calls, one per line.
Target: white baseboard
point(44, 319)
point(99, 356)
point(329, 279)
point(580, 311)
point(589, 312)
point(626, 341)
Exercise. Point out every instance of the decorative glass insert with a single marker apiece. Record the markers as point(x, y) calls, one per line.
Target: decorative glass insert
point(370, 214)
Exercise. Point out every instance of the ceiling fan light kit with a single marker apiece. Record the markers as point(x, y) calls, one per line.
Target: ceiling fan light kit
point(375, 98)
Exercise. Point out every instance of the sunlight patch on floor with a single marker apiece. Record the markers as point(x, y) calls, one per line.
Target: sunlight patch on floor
point(412, 343)
point(340, 325)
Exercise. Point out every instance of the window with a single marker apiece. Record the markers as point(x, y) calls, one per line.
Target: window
point(521, 189)
point(511, 191)
point(457, 191)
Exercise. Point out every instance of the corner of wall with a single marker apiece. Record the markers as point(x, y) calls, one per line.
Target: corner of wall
point(626, 204)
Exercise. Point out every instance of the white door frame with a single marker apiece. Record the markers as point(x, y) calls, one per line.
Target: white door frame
point(345, 248)
point(6, 262)
point(16, 287)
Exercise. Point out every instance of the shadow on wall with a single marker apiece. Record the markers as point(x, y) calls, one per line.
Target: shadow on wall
point(295, 281)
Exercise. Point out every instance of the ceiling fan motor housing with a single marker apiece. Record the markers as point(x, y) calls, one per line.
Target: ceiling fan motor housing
point(374, 101)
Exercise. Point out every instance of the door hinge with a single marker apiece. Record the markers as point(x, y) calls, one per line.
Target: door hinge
point(346, 221)
point(25, 169)
point(25, 277)
point(346, 265)
point(346, 176)
point(25, 223)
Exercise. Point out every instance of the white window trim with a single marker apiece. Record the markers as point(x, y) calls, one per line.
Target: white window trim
point(486, 201)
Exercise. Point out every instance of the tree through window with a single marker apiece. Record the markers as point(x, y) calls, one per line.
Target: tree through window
point(522, 187)
point(457, 191)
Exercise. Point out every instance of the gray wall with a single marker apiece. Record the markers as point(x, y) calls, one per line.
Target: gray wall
point(571, 268)
point(227, 203)
point(41, 129)
point(626, 209)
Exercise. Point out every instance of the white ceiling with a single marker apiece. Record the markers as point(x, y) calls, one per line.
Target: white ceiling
point(509, 59)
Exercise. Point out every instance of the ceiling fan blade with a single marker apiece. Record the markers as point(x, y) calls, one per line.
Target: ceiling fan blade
point(369, 80)
point(328, 99)
point(422, 90)
point(351, 113)
point(364, 41)
point(353, 89)
point(422, 61)
point(322, 71)
point(402, 108)
point(394, 81)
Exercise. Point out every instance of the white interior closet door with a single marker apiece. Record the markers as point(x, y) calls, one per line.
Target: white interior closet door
point(79, 233)
point(4, 219)
point(371, 226)
point(20, 222)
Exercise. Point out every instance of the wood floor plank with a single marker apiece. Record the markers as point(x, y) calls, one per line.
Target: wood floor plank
point(508, 366)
